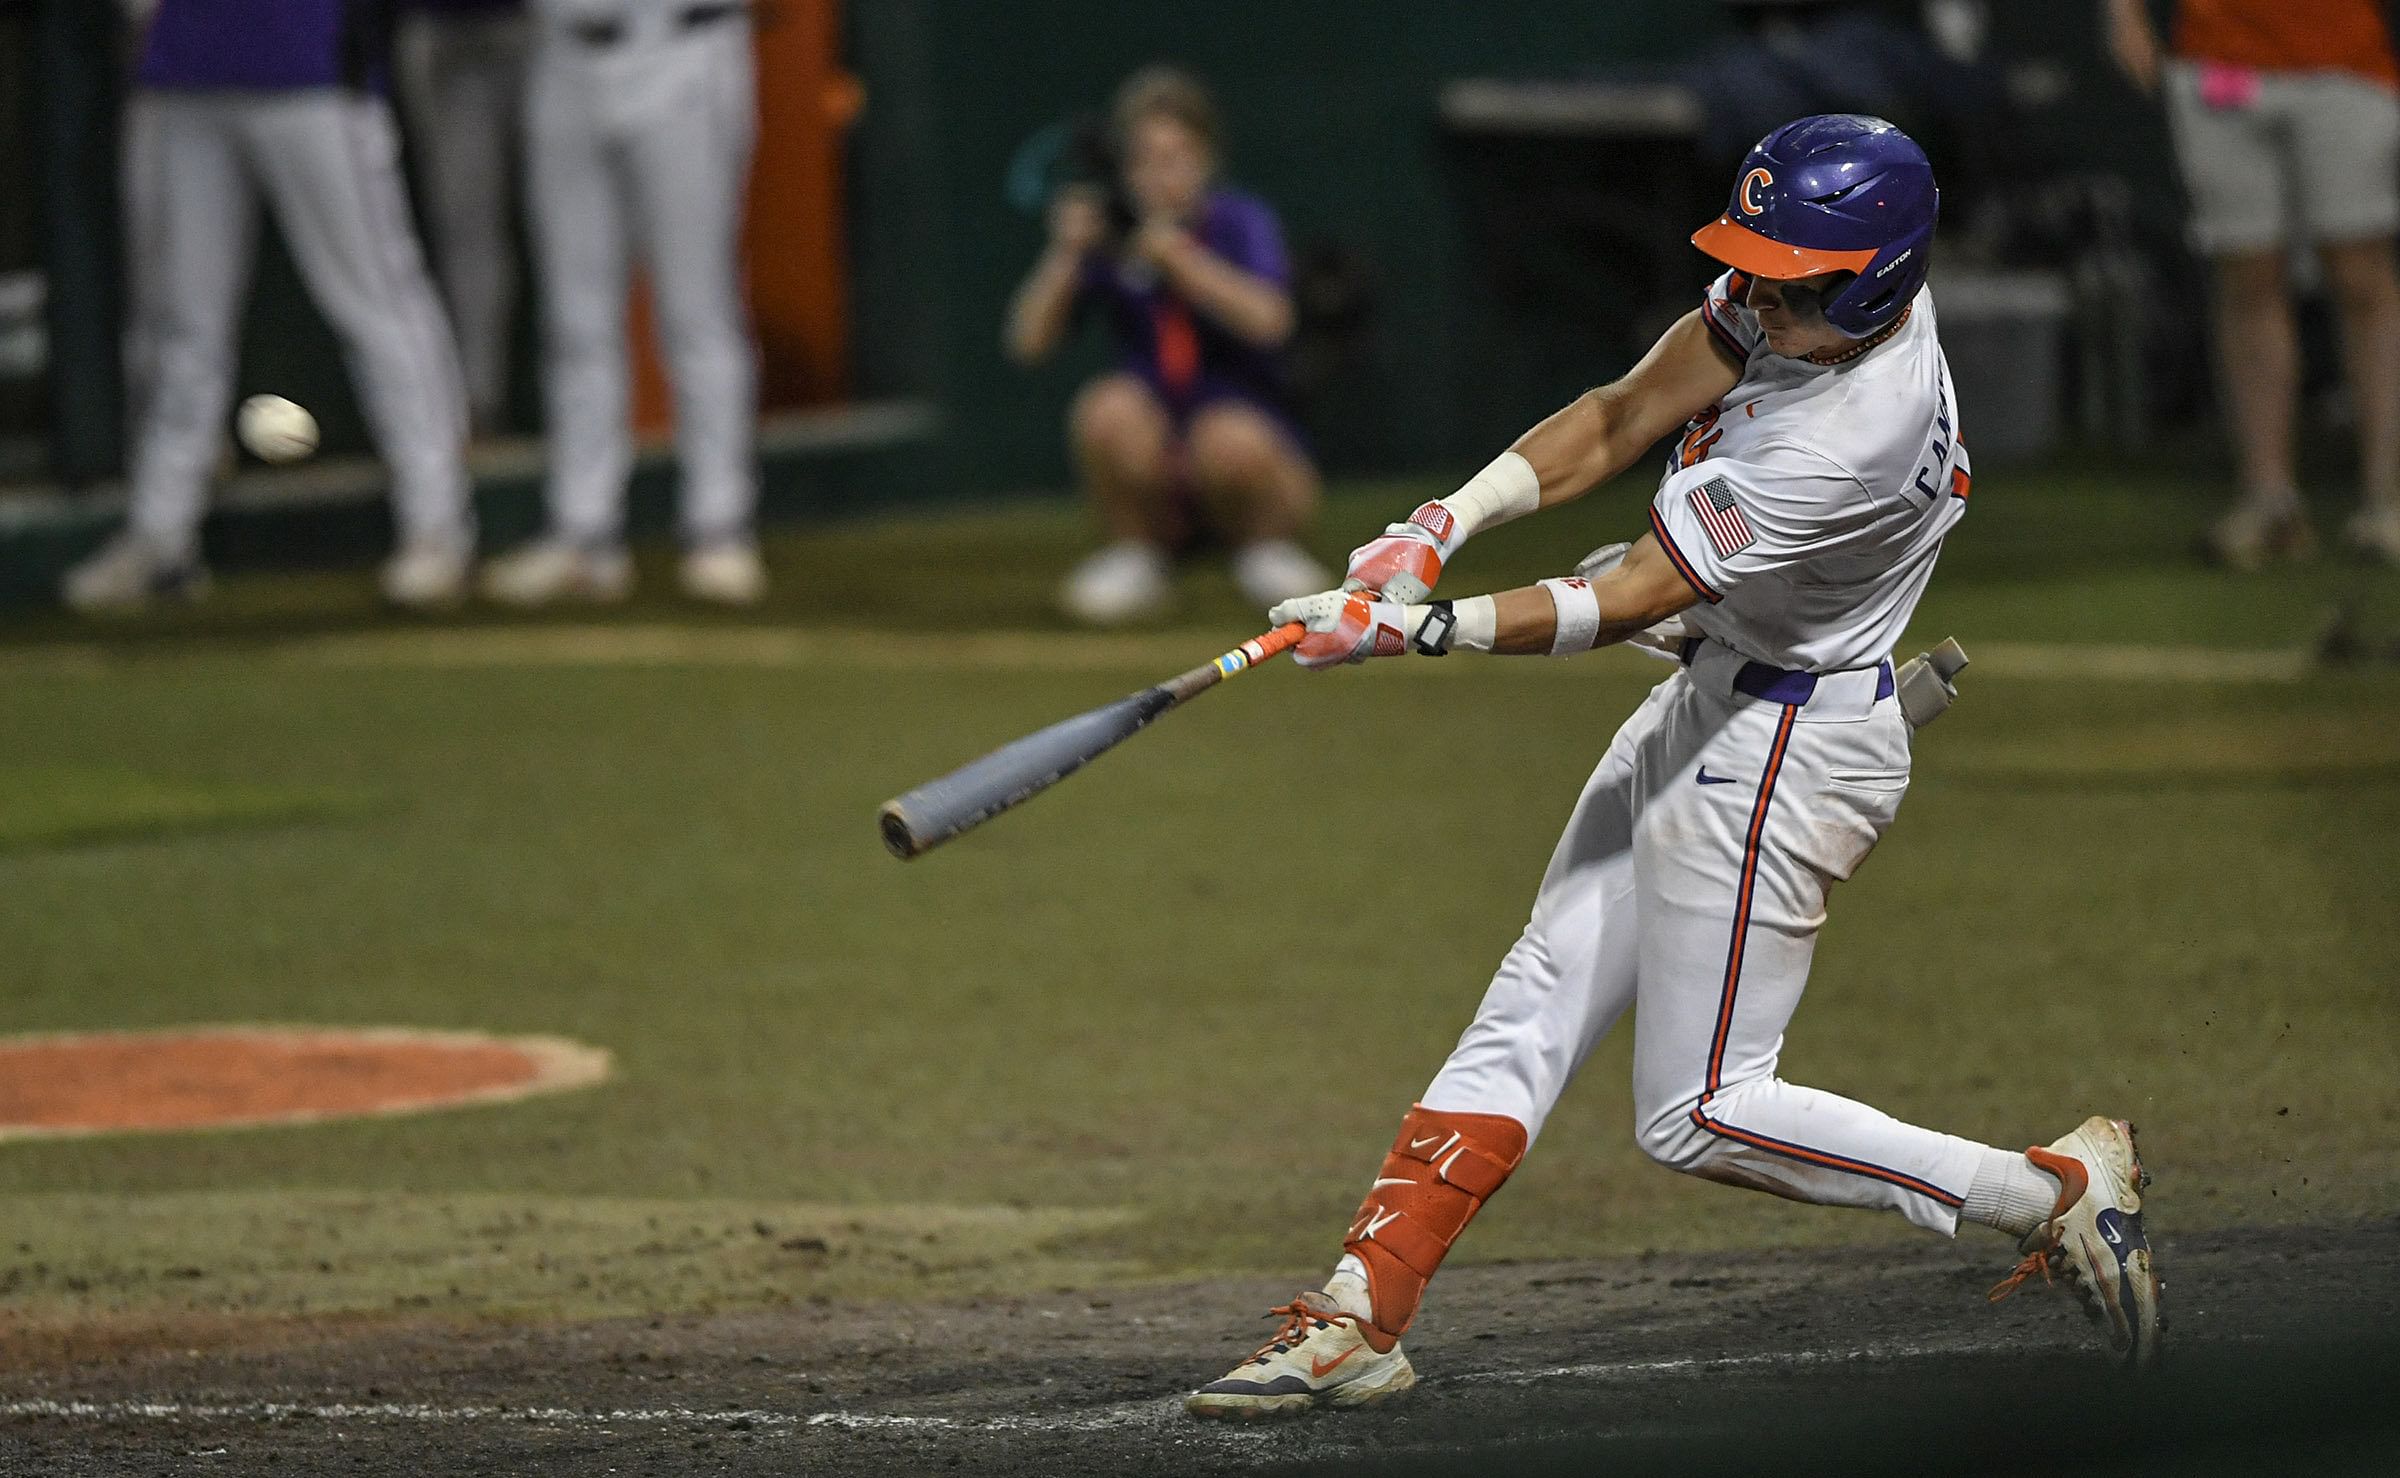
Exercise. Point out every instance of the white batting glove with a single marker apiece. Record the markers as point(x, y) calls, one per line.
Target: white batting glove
point(1343, 626)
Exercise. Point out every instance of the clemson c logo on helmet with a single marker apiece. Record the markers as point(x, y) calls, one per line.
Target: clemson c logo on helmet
point(1747, 196)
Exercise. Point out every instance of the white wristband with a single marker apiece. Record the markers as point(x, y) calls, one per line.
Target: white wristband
point(1504, 490)
point(1475, 624)
point(1578, 616)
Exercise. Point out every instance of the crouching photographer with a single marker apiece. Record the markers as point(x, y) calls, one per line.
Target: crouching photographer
point(1190, 435)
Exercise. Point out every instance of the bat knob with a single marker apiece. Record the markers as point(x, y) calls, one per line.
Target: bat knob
point(896, 833)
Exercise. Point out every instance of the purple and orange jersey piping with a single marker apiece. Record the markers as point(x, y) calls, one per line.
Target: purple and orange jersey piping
point(1683, 567)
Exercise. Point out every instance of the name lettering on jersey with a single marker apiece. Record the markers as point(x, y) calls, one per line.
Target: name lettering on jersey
point(1699, 437)
point(1728, 532)
point(1944, 466)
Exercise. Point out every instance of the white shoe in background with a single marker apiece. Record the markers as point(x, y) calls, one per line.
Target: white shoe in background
point(1275, 570)
point(126, 574)
point(428, 574)
point(2375, 532)
point(550, 570)
point(2251, 536)
point(727, 574)
point(1127, 581)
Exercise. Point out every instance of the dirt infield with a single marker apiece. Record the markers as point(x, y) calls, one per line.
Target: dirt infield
point(216, 1077)
point(1851, 1362)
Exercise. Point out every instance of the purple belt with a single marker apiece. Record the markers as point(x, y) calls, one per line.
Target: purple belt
point(1785, 685)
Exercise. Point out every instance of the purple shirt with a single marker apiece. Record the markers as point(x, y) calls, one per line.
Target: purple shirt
point(261, 44)
point(1183, 354)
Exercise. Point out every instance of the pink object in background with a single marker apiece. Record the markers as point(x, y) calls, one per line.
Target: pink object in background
point(2225, 86)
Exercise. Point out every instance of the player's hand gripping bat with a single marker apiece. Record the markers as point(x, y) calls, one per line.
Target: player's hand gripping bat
point(974, 793)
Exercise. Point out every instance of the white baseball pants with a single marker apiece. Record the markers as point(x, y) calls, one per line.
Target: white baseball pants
point(1692, 879)
point(461, 83)
point(642, 145)
point(326, 161)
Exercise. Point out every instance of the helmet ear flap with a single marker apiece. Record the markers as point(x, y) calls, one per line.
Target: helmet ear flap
point(1888, 285)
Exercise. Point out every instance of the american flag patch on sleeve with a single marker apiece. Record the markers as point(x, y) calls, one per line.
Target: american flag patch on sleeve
point(1728, 532)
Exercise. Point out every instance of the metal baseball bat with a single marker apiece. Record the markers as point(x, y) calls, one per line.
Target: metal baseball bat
point(933, 813)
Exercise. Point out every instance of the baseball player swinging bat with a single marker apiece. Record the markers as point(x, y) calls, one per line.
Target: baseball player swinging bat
point(938, 810)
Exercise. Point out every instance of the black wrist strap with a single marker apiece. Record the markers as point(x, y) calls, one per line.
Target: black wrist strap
point(1432, 636)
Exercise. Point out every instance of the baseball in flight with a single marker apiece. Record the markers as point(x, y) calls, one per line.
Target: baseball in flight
point(275, 429)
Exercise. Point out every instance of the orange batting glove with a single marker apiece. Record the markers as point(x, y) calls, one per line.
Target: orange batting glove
point(1343, 626)
point(1403, 565)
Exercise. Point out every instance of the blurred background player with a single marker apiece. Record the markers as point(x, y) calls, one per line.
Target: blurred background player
point(235, 101)
point(1192, 427)
point(640, 122)
point(2286, 122)
point(460, 68)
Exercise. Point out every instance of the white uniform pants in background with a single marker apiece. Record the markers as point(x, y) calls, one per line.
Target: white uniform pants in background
point(639, 145)
point(462, 94)
point(326, 161)
point(1692, 880)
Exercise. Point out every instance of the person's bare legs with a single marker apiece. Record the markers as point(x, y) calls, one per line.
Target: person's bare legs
point(1121, 437)
point(2258, 358)
point(1254, 481)
point(2366, 296)
point(1123, 444)
point(1261, 490)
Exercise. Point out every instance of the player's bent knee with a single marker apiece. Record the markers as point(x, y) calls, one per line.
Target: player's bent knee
point(1673, 1139)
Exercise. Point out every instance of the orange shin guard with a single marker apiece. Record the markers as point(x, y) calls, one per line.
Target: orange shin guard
point(1441, 1170)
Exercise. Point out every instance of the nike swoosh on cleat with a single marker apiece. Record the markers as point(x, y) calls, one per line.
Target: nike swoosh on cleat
point(1706, 778)
point(1319, 1369)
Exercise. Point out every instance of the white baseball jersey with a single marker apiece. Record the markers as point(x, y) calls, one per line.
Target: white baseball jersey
point(1694, 874)
point(1809, 505)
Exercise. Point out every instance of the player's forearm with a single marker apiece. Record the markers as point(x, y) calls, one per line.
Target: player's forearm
point(1559, 617)
point(1038, 315)
point(1576, 448)
point(1604, 431)
point(1524, 622)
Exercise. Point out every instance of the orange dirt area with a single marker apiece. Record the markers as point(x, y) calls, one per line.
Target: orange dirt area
point(223, 1076)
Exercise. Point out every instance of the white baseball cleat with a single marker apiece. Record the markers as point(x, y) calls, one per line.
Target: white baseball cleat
point(2094, 1237)
point(1319, 1357)
point(1127, 581)
point(427, 574)
point(1272, 571)
point(728, 574)
point(127, 574)
point(550, 570)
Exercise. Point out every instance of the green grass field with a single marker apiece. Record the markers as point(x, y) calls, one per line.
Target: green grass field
point(1160, 1022)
